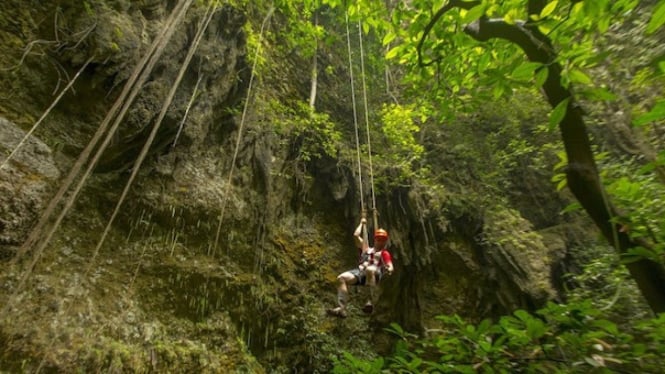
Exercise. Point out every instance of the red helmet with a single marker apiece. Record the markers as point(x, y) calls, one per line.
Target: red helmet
point(381, 234)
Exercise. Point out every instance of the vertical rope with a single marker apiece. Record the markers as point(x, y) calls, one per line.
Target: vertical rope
point(369, 143)
point(355, 115)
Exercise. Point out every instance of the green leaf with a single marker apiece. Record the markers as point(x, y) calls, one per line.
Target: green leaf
point(558, 113)
point(639, 349)
point(642, 253)
point(474, 13)
point(393, 52)
point(648, 168)
point(603, 24)
point(389, 37)
point(396, 329)
point(522, 314)
point(541, 76)
point(572, 207)
point(350, 12)
point(525, 71)
point(365, 27)
point(606, 325)
point(484, 326)
point(577, 76)
point(485, 345)
point(593, 8)
point(511, 16)
point(655, 114)
point(377, 365)
point(548, 9)
point(599, 94)
point(498, 90)
point(483, 62)
point(657, 18)
point(535, 328)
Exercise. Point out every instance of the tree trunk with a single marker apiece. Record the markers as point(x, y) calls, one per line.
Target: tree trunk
point(582, 173)
point(315, 71)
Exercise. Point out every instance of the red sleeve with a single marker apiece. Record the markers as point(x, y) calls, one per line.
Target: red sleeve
point(386, 257)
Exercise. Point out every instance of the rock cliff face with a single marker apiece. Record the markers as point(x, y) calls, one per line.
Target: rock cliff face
point(24, 185)
point(225, 252)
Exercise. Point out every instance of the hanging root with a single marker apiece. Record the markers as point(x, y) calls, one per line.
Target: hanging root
point(240, 130)
point(39, 121)
point(156, 126)
point(131, 89)
point(189, 105)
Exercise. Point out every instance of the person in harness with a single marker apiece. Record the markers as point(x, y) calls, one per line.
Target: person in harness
point(372, 264)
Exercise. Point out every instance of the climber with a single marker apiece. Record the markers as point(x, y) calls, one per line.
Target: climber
point(374, 261)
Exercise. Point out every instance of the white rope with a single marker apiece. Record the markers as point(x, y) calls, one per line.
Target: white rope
point(355, 116)
point(369, 143)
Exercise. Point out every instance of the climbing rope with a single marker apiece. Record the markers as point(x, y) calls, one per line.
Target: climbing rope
point(355, 116)
point(369, 143)
point(355, 121)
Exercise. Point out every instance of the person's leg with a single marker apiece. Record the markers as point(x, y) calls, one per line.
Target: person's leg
point(344, 280)
point(370, 274)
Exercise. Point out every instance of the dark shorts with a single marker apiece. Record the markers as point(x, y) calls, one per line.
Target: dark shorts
point(361, 279)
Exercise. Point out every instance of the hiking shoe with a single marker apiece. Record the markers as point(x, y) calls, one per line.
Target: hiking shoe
point(337, 312)
point(368, 308)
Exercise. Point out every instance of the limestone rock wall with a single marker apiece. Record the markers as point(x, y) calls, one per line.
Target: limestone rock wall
point(224, 255)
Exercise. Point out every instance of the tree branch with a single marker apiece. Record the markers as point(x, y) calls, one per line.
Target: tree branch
point(582, 172)
point(435, 19)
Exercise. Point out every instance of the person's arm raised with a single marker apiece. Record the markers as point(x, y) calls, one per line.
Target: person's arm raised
point(358, 235)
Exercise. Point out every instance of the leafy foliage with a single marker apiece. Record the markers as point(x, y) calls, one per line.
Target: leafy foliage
point(572, 338)
point(607, 284)
point(639, 196)
point(399, 127)
point(316, 136)
point(349, 364)
point(398, 149)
